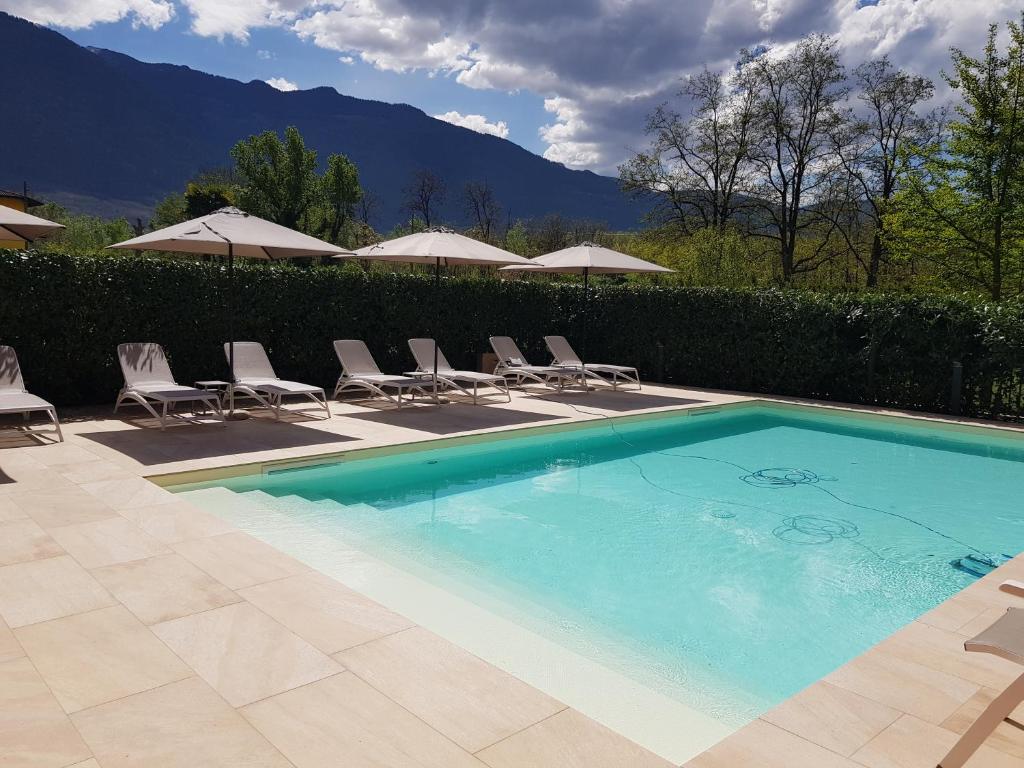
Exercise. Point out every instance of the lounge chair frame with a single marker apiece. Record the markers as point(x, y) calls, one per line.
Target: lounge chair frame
point(360, 371)
point(506, 350)
point(14, 398)
point(423, 352)
point(255, 377)
point(148, 381)
point(562, 353)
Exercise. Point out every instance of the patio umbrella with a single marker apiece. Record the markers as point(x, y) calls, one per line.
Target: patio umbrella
point(232, 232)
point(584, 259)
point(436, 247)
point(18, 225)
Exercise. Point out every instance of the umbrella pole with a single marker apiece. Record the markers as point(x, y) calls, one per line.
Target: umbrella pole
point(437, 324)
point(231, 329)
point(586, 326)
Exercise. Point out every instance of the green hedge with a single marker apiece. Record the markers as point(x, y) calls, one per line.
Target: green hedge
point(65, 316)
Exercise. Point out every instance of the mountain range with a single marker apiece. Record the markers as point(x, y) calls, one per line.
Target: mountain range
point(104, 133)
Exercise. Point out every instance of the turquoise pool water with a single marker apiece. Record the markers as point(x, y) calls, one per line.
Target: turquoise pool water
point(726, 559)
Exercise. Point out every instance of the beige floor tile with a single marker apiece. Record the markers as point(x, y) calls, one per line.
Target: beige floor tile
point(176, 521)
point(163, 588)
point(93, 471)
point(981, 622)
point(95, 657)
point(342, 715)
point(922, 691)
point(90, 763)
point(944, 650)
point(34, 731)
point(763, 745)
point(68, 452)
point(832, 717)
point(472, 702)
point(22, 540)
point(181, 725)
point(244, 653)
point(125, 494)
point(569, 740)
point(913, 743)
point(40, 590)
point(106, 542)
point(10, 648)
point(10, 511)
point(59, 506)
point(325, 613)
point(1006, 738)
point(238, 560)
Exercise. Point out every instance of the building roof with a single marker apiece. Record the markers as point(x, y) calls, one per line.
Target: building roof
point(29, 201)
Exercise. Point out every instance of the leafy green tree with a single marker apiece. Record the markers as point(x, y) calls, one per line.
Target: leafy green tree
point(279, 177)
point(964, 206)
point(340, 193)
point(82, 234)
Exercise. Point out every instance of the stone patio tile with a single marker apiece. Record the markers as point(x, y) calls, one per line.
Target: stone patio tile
point(92, 471)
point(62, 505)
point(40, 590)
point(176, 521)
point(913, 743)
point(342, 715)
point(10, 648)
point(10, 511)
point(763, 745)
point(468, 700)
point(243, 653)
point(1006, 738)
point(181, 725)
point(96, 657)
point(832, 717)
point(22, 540)
point(106, 542)
point(904, 685)
point(569, 740)
point(125, 494)
point(325, 613)
point(164, 587)
point(34, 731)
point(238, 560)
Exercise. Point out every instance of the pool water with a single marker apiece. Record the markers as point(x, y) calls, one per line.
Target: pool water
point(727, 559)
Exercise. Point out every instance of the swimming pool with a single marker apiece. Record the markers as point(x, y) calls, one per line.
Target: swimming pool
point(724, 560)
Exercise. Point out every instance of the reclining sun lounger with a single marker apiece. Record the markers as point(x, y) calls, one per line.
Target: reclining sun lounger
point(563, 354)
point(14, 398)
point(148, 382)
point(423, 352)
point(511, 362)
point(1004, 638)
point(359, 369)
point(255, 377)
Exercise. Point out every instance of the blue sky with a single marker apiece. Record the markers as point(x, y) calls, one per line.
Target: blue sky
point(570, 79)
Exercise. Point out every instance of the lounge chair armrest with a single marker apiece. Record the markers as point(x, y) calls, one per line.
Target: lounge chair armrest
point(1012, 587)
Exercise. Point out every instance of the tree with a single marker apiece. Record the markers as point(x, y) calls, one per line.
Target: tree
point(964, 204)
point(369, 206)
point(482, 207)
point(339, 194)
point(797, 109)
point(694, 168)
point(82, 234)
point(869, 145)
point(424, 196)
point(279, 177)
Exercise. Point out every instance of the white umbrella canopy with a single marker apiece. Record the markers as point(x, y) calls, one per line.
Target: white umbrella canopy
point(18, 225)
point(589, 258)
point(437, 246)
point(232, 232)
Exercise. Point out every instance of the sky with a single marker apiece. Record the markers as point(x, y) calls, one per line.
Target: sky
point(569, 79)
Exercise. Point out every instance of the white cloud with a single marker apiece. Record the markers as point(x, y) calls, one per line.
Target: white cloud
point(346, 60)
point(477, 123)
point(76, 14)
point(265, 55)
point(281, 84)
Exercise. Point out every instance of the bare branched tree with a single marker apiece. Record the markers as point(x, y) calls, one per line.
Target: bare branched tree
point(798, 109)
point(482, 207)
point(695, 167)
point(424, 196)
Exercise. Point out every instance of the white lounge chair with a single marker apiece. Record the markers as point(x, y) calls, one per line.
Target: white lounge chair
point(563, 354)
point(255, 377)
point(14, 398)
point(1004, 638)
point(423, 352)
point(148, 382)
point(512, 362)
point(360, 370)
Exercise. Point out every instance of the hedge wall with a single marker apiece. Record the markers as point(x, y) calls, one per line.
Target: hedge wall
point(65, 316)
